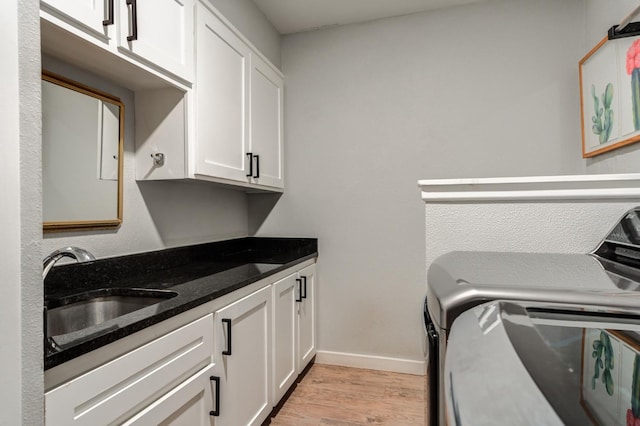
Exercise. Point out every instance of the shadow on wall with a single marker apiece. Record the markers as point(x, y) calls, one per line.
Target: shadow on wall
point(194, 212)
point(260, 205)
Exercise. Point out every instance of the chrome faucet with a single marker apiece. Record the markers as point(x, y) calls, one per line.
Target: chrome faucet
point(81, 255)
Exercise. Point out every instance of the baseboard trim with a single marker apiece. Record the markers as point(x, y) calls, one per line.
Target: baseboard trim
point(371, 362)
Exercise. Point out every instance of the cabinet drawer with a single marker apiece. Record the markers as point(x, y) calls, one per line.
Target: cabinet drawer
point(190, 404)
point(119, 389)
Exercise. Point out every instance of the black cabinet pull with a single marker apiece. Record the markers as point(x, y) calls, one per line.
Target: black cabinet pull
point(257, 175)
point(250, 155)
point(216, 412)
point(299, 281)
point(109, 20)
point(304, 285)
point(228, 322)
point(134, 20)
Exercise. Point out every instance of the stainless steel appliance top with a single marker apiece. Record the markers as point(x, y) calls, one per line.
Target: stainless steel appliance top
point(608, 277)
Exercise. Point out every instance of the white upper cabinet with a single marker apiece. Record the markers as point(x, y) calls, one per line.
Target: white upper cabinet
point(160, 32)
point(156, 35)
point(237, 113)
point(221, 139)
point(266, 123)
point(208, 105)
point(95, 17)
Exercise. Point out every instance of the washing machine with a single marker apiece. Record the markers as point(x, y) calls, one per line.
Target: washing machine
point(607, 279)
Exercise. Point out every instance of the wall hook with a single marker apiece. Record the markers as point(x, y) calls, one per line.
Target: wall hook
point(158, 159)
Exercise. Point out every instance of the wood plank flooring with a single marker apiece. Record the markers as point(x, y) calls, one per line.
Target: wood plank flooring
point(333, 395)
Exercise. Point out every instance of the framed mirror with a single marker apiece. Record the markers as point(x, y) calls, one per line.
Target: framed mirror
point(82, 151)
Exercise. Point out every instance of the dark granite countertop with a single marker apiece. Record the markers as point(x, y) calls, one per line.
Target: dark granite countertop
point(192, 275)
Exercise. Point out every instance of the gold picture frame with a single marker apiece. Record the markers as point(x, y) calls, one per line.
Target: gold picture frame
point(610, 95)
point(113, 218)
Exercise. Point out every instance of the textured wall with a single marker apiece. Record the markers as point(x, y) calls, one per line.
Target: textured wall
point(479, 90)
point(10, 315)
point(30, 211)
point(21, 389)
point(572, 227)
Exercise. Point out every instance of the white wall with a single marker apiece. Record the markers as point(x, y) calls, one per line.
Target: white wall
point(600, 16)
point(21, 388)
point(521, 226)
point(252, 23)
point(480, 90)
point(10, 315)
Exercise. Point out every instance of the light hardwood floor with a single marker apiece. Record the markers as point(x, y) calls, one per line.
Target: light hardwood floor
point(332, 395)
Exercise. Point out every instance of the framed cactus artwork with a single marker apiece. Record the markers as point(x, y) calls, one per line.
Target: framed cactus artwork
point(610, 380)
point(610, 95)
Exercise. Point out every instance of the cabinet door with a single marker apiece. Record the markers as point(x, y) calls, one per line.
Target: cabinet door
point(243, 359)
point(162, 32)
point(222, 78)
point(285, 336)
point(85, 14)
point(266, 122)
point(189, 404)
point(307, 317)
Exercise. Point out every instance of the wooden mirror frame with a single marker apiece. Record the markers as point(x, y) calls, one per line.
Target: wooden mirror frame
point(105, 97)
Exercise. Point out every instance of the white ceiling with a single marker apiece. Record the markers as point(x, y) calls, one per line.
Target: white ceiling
point(291, 16)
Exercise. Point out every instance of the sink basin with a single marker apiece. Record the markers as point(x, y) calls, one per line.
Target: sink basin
point(93, 308)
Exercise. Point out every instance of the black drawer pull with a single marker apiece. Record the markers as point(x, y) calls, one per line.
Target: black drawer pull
point(250, 155)
point(216, 412)
point(257, 175)
point(299, 281)
point(228, 322)
point(134, 20)
point(304, 285)
point(109, 20)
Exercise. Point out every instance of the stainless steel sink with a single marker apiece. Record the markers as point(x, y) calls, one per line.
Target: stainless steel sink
point(95, 308)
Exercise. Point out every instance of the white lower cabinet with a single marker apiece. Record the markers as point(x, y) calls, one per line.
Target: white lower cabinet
point(307, 317)
point(285, 335)
point(228, 368)
point(243, 359)
point(116, 391)
point(189, 404)
point(294, 335)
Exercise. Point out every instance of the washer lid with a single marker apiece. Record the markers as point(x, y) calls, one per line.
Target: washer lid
point(457, 281)
point(610, 276)
point(531, 365)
